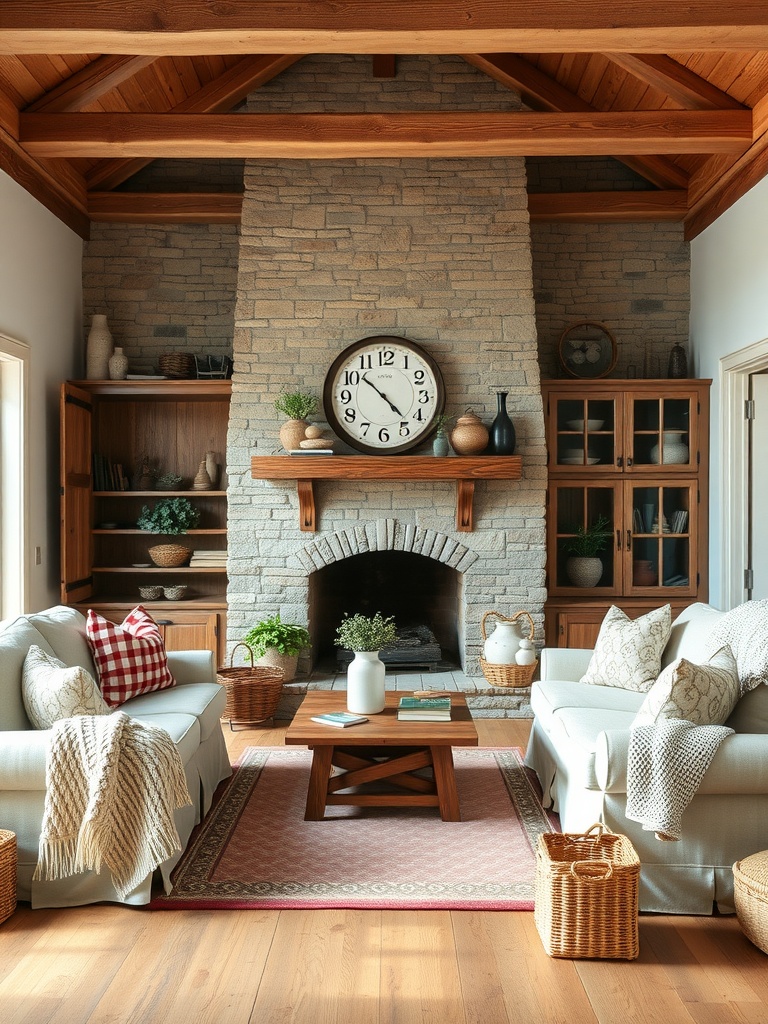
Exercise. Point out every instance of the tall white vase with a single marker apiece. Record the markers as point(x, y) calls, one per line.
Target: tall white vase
point(98, 349)
point(365, 683)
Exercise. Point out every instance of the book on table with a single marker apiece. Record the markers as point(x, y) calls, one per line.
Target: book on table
point(339, 719)
point(424, 709)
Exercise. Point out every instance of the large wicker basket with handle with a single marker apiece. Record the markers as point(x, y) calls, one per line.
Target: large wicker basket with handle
point(507, 675)
point(586, 894)
point(8, 859)
point(253, 692)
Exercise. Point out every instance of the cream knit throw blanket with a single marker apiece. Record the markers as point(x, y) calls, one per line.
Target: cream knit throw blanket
point(112, 784)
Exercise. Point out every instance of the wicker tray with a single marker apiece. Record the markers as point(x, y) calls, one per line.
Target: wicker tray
point(253, 692)
point(7, 874)
point(508, 675)
point(586, 894)
point(180, 365)
point(750, 893)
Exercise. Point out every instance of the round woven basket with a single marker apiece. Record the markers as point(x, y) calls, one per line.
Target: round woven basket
point(253, 692)
point(508, 675)
point(177, 364)
point(169, 556)
point(7, 874)
point(750, 893)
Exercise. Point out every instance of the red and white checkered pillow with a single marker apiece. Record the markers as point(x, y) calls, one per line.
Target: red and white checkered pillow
point(130, 658)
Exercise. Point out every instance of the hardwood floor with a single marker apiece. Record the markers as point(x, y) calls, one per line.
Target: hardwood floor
point(112, 965)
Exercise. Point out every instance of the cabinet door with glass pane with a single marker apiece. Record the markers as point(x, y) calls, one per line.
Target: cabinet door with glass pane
point(585, 428)
point(583, 538)
point(662, 430)
point(660, 543)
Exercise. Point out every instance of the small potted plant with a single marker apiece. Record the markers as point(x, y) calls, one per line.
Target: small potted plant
point(440, 446)
point(585, 567)
point(278, 644)
point(297, 406)
point(365, 636)
point(169, 516)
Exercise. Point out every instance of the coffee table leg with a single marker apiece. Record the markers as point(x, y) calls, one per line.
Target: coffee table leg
point(318, 783)
point(445, 783)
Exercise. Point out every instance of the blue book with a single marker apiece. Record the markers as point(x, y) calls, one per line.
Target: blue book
point(425, 703)
point(341, 719)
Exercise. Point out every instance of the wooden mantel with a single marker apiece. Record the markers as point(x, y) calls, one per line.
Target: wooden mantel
point(465, 470)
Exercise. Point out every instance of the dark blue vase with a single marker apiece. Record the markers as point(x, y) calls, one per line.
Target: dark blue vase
point(502, 429)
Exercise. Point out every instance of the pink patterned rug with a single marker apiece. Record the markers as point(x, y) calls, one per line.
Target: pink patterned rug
point(254, 849)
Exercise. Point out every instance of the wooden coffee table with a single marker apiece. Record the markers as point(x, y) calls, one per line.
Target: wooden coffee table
point(379, 757)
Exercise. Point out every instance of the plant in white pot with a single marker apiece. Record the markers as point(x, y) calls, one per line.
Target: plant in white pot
point(277, 644)
point(297, 406)
point(585, 567)
point(365, 636)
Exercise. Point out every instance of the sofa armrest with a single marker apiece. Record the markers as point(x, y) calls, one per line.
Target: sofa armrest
point(192, 666)
point(739, 766)
point(22, 759)
point(564, 662)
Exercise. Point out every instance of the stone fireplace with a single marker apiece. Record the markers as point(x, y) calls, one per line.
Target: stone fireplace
point(434, 250)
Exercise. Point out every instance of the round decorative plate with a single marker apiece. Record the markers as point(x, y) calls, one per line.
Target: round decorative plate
point(587, 350)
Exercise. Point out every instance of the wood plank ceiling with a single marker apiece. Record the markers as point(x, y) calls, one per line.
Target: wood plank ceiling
point(93, 90)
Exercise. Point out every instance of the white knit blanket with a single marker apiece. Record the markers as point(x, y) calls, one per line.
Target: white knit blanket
point(112, 784)
point(667, 761)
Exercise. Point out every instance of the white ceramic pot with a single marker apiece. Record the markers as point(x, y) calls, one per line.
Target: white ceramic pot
point(584, 572)
point(118, 365)
point(502, 645)
point(526, 654)
point(674, 452)
point(365, 683)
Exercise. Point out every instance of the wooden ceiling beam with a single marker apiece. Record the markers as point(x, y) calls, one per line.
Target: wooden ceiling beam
point(86, 86)
point(199, 27)
point(539, 91)
point(608, 207)
point(166, 208)
point(677, 81)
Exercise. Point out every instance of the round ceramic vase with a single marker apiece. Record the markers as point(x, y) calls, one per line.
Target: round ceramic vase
point(502, 645)
point(365, 683)
point(674, 452)
point(584, 572)
point(118, 365)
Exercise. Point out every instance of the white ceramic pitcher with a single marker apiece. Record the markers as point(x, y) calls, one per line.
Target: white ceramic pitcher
point(503, 643)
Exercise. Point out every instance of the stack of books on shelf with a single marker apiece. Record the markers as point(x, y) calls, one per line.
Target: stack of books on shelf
point(424, 709)
point(208, 560)
point(108, 476)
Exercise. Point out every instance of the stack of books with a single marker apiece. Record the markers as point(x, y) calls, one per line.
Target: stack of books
point(208, 559)
point(424, 709)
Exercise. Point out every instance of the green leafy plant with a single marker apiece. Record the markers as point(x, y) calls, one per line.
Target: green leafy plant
point(296, 405)
point(366, 633)
point(442, 422)
point(284, 637)
point(590, 540)
point(169, 516)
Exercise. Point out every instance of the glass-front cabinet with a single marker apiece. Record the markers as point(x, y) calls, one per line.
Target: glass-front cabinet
point(627, 509)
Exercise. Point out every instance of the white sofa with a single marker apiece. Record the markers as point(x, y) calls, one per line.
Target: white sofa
point(578, 748)
point(190, 712)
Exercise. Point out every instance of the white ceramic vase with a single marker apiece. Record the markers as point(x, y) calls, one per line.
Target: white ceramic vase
point(211, 467)
point(526, 654)
point(365, 683)
point(118, 365)
point(98, 349)
point(674, 452)
point(502, 645)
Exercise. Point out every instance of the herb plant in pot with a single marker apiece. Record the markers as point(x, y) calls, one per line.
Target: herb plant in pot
point(297, 406)
point(169, 517)
point(277, 644)
point(365, 636)
point(585, 567)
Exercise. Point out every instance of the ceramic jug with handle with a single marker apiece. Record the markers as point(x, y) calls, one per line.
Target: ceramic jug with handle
point(501, 646)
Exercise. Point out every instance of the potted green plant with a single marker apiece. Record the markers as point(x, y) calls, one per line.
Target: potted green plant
point(297, 406)
point(440, 446)
point(169, 516)
point(585, 567)
point(365, 635)
point(278, 644)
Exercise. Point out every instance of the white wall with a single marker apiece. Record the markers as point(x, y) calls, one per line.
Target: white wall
point(729, 311)
point(41, 305)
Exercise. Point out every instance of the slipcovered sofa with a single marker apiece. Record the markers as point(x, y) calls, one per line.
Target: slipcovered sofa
point(190, 712)
point(579, 747)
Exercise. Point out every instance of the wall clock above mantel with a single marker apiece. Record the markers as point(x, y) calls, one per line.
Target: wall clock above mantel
point(382, 395)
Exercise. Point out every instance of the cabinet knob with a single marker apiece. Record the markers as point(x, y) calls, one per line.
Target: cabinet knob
point(164, 622)
point(619, 460)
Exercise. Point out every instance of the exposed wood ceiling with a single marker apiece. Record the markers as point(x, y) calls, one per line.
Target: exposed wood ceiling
point(92, 91)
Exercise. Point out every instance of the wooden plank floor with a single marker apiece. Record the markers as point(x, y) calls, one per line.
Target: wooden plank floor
point(113, 965)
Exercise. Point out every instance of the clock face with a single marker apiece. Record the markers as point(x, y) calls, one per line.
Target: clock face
point(383, 394)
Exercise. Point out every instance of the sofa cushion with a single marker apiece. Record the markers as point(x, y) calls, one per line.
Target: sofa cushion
point(52, 690)
point(551, 695)
point(745, 630)
point(184, 730)
point(64, 629)
point(702, 694)
point(628, 651)
point(751, 712)
point(206, 701)
point(575, 731)
point(130, 658)
point(690, 634)
point(15, 641)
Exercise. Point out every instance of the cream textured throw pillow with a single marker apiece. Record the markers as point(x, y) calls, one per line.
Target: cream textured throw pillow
point(745, 630)
point(628, 651)
point(51, 691)
point(702, 694)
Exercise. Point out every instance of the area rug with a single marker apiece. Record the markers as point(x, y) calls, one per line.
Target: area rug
point(254, 849)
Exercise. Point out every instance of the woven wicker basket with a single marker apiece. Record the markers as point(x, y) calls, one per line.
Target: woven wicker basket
point(7, 874)
point(169, 556)
point(508, 675)
point(587, 894)
point(177, 364)
point(750, 893)
point(253, 692)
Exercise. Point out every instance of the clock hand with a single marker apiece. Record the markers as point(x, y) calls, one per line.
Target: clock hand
point(381, 393)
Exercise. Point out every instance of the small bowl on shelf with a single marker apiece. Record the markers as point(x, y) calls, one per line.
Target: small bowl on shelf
point(591, 424)
point(174, 593)
point(150, 592)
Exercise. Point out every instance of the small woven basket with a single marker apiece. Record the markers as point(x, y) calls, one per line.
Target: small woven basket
point(586, 894)
point(177, 364)
point(169, 556)
point(508, 675)
point(750, 894)
point(253, 692)
point(8, 860)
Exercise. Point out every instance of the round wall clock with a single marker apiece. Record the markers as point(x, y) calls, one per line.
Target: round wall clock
point(383, 394)
point(587, 350)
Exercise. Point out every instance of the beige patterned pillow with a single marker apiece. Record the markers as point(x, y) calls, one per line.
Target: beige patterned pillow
point(628, 651)
point(702, 694)
point(51, 691)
